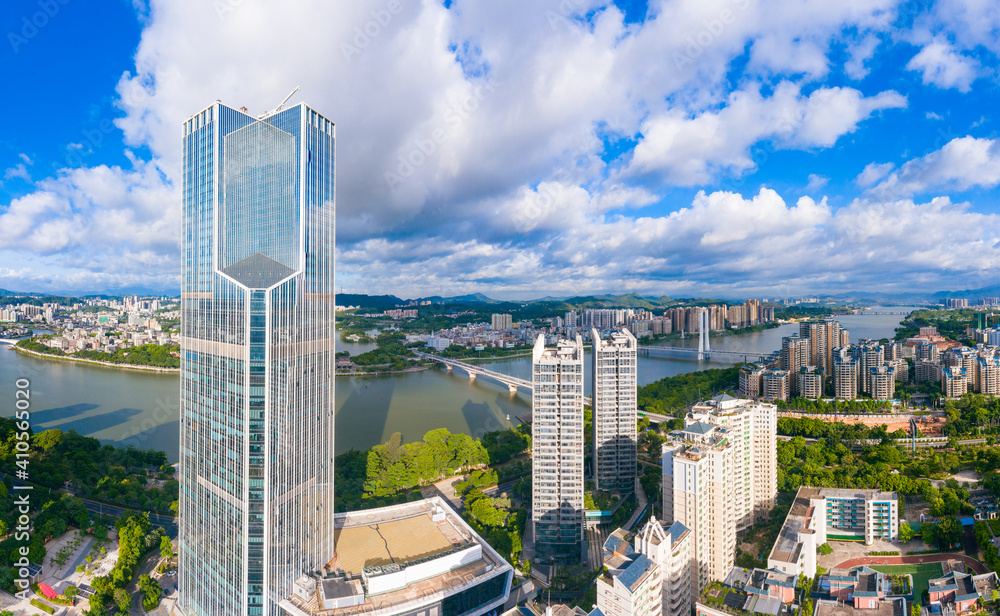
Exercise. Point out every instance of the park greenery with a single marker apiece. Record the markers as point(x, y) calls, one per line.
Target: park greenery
point(831, 463)
point(809, 427)
point(949, 323)
point(673, 394)
point(390, 472)
point(946, 533)
point(390, 352)
point(844, 407)
point(120, 475)
point(52, 515)
point(155, 355)
point(986, 546)
point(136, 538)
point(393, 471)
point(972, 414)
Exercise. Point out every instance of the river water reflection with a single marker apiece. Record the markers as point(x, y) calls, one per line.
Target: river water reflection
point(141, 408)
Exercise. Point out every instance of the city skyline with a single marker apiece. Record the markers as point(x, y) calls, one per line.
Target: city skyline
point(836, 147)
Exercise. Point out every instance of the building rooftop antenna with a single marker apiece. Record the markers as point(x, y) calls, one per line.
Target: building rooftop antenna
point(280, 105)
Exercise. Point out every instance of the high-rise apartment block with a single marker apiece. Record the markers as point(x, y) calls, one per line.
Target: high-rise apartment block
point(988, 374)
point(869, 354)
point(794, 355)
point(572, 319)
point(824, 335)
point(845, 374)
point(775, 385)
point(614, 411)
point(926, 351)
point(502, 322)
point(810, 382)
point(750, 376)
point(748, 314)
point(927, 370)
point(881, 382)
point(720, 477)
point(672, 549)
point(610, 318)
point(954, 382)
point(257, 357)
point(557, 450)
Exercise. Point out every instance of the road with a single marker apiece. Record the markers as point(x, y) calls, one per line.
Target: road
point(640, 506)
point(168, 523)
point(596, 536)
point(905, 442)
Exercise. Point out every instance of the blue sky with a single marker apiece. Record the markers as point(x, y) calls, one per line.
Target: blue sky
point(686, 147)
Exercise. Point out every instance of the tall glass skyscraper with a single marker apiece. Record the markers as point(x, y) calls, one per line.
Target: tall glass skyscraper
point(257, 357)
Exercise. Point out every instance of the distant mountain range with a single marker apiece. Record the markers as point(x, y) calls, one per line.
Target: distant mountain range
point(628, 300)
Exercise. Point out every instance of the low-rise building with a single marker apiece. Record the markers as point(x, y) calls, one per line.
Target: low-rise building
point(414, 558)
point(957, 592)
point(884, 607)
point(818, 514)
point(749, 592)
point(862, 587)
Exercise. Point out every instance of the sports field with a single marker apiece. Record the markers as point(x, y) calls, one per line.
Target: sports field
point(921, 572)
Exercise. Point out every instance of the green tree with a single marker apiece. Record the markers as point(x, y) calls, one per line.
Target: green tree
point(905, 532)
point(166, 548)
point(949, 532)
point(486, 513)
point(151, 592)
point(122, 599)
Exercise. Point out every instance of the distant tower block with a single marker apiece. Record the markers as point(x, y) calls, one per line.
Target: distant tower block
point(703, 329)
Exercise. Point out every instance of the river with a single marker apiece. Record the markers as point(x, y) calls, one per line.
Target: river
point(133, 407)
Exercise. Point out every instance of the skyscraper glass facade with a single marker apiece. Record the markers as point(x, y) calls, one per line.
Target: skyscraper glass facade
point(257, 357)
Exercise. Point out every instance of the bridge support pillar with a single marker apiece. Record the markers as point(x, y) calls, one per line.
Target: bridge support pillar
point(472, 376)
point(448, 366)
point(512, 389)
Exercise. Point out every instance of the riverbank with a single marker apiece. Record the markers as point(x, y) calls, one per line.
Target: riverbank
point(96, 362)
point(385, 372)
